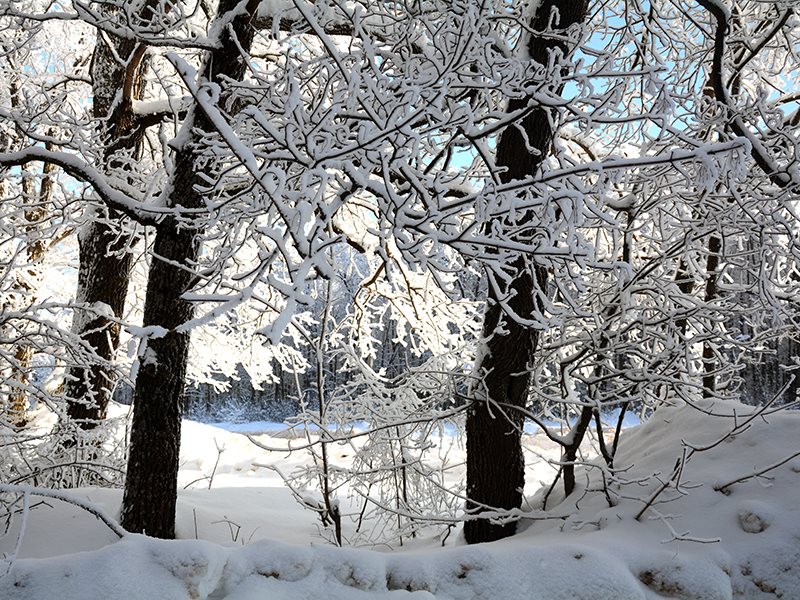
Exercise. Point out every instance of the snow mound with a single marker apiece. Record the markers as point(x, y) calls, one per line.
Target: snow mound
point(722, 526)
point(139, 567)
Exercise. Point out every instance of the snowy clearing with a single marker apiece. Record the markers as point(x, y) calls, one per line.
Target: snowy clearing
point(246, 538)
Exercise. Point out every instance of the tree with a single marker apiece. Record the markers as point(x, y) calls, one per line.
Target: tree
point(607, 200)
point(495, 463)
point(45, 87)
point(151, 482)
point(106, 240)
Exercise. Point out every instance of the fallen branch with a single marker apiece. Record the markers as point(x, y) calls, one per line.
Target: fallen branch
point(721, 487)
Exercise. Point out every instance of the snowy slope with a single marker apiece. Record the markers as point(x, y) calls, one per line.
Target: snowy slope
point(692, 542)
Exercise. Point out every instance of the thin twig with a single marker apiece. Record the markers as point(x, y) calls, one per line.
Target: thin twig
point(6, 488)
point(722, 487)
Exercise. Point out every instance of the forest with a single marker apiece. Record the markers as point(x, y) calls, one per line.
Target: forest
point(434, 273)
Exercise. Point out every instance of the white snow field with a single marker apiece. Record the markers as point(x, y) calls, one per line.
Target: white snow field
point(247, 539)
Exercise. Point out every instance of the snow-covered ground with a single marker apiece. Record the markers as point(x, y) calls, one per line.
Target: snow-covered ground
point(245, 538)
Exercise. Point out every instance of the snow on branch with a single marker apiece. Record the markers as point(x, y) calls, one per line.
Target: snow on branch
point(760, 153)
point(82, 171)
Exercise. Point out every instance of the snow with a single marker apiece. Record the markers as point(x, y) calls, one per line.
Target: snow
point(82, 171)
point(246, 538)
point(280, 8)
point(161, 106)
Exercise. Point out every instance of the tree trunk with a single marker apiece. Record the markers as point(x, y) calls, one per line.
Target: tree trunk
point(151, 482)
point(152, 476)
point(103, 278)
point(26, 282)
point(495, 462)
point(105, 259)
point(709, 355)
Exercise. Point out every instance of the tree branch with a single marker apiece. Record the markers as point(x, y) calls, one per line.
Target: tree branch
point(82, 171)
point(760, 154)
point(6, 488)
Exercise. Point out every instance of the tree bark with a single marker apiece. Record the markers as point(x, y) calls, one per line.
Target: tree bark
point(495, 462)
point(711, 292)
point(105, 258)
point(26, 282)
point(151, 490)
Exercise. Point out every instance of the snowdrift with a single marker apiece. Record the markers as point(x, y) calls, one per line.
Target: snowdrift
point(716, 487)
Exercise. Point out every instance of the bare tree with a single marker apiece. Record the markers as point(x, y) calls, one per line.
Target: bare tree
point(151, 482)
point(495, 463)
point(106, 240)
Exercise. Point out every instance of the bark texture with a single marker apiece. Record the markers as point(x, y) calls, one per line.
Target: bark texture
point(36, 202)
point(105, 262)
point(495, 462)
point(151, 484)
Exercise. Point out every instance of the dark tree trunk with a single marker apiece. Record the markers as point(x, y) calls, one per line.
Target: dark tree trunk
point(103, 277)
point(711, 292)
point(105, 260)
point(151, 482)
point(570, 452)
point(495, 462)
point(152, 476)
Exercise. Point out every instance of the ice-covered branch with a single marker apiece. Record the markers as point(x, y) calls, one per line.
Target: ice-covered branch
point(599, 167)
point(721, 487)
